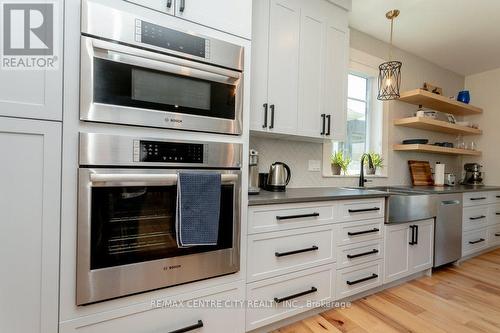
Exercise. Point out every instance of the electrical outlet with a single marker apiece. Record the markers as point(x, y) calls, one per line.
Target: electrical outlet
point(314, 165)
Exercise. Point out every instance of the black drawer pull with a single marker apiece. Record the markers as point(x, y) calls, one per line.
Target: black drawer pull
point(265, 115)
point(289, 217)
point(189, 328)
point(498, 196)
point(497, 213)
point(478, 241)
point(475, 199)
point(374, 209)
point(374, 276)
point(283, 254)
point(363, 232)
point(352, 256)
point(477, 218)
point(497, 234)
point(287, 298)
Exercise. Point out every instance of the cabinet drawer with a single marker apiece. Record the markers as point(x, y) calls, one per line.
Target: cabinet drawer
point(276, 253)
point(474, 241)
point(494, 214)
point(476, 198)
point(164, 317)
point(359, 231)
point(359, 253)
point(475, 218)
point(494, 197)
point(356, 279)
point(288, 295)
point(494, 235)
point(354, 210)
point(288, 216)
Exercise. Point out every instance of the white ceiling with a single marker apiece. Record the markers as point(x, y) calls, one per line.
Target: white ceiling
point(460, 35)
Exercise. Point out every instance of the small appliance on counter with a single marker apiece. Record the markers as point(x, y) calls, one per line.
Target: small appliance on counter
point(253, 172)
point(450, 179)
point(473, 174)
point(278, 178)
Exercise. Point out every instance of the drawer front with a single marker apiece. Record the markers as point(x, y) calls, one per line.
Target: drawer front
point(475, 218)
point(367, 209)
point(494, 235)
point(288, 216)
point(476, 198)
point(359, 231)
point(197, 315)
point(494, 214)
point(281, 252)
point(353, 280)
point(474, 241)
point(494, 197)
point(288, 295)
point(354, 254)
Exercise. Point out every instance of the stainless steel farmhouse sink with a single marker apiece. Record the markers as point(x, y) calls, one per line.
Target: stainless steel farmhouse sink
point(406, 204)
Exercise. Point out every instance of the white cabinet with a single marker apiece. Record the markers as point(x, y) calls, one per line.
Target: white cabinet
point(230, 16)
point(408, 249)
point(226, 15)
point(29, 228)
point(299, 68)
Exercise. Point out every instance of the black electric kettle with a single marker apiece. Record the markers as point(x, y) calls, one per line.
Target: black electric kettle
point(279, 177)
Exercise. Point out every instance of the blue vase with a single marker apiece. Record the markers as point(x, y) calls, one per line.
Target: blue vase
point(464, 96)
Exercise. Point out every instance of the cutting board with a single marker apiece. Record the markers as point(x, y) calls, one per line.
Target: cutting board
point(421, 174)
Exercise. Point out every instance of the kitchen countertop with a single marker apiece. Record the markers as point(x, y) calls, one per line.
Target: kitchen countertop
point(310, 194)
point(293, 195)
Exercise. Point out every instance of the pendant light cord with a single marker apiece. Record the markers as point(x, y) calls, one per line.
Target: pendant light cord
point(392, 29)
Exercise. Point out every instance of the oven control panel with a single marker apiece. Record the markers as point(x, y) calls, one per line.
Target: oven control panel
point(168, 152)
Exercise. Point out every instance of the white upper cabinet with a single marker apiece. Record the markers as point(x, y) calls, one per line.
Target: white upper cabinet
point(234, 17)
point(29, 229)
point(35, 93)
point(299, 68)
point(164, 6)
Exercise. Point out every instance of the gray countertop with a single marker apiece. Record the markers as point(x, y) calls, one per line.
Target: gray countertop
point(309, 194)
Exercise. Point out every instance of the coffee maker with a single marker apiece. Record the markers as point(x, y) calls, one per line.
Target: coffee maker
point(473, 174)
point(253, 172)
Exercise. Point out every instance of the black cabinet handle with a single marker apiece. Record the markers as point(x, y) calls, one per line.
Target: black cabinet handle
point(477, 218)
point(289, 217)
point(478, 241)
point(324, 124)
point(497, 234)
point(475, 199)
point(498, 196)
point(416, 235)
point(373, 276)
point(265, 115)
point(189, 328)
point(364, 210)
point(271, 126)
point(329, 118)
point(352, 256)
point(363, 232)
point(412, 241)
point(287, 298)
point(169, 4)
point(183, 6)
point(497, 213)
point(309, 249)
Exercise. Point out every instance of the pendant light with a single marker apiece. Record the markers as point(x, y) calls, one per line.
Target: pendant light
point(389, 77)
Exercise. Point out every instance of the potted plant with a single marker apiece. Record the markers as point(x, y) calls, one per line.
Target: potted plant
point(377, 161)
point(339, 163)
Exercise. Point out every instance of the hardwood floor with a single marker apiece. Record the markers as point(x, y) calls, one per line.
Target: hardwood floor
point(463, 299)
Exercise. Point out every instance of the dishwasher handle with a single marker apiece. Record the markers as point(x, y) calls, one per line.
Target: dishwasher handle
point(450, 202)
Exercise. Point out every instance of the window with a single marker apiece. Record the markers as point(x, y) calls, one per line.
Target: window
point(364, 121)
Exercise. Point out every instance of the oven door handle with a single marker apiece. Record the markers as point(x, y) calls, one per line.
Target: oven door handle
point(162, 62)
point(164, 179)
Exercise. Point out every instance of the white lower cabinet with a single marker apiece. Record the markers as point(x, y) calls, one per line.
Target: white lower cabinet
point(494, 235)
point(409, 249)
point(474, 241)
point(354, 280)
point(360, 253)
point(29, 225)
point(211, 313)
point(281, 297)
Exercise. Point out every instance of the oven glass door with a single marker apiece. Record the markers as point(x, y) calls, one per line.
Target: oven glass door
point(133, 224)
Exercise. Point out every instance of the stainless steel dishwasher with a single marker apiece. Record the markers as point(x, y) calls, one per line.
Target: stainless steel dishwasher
point(448, 229)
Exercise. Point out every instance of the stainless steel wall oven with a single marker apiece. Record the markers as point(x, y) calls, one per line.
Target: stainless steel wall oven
point(147, 71)
point(126, 215)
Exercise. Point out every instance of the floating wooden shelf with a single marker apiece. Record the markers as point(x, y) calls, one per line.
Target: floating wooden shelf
point(436, 126)
point(438, 103)
point(436, 150)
